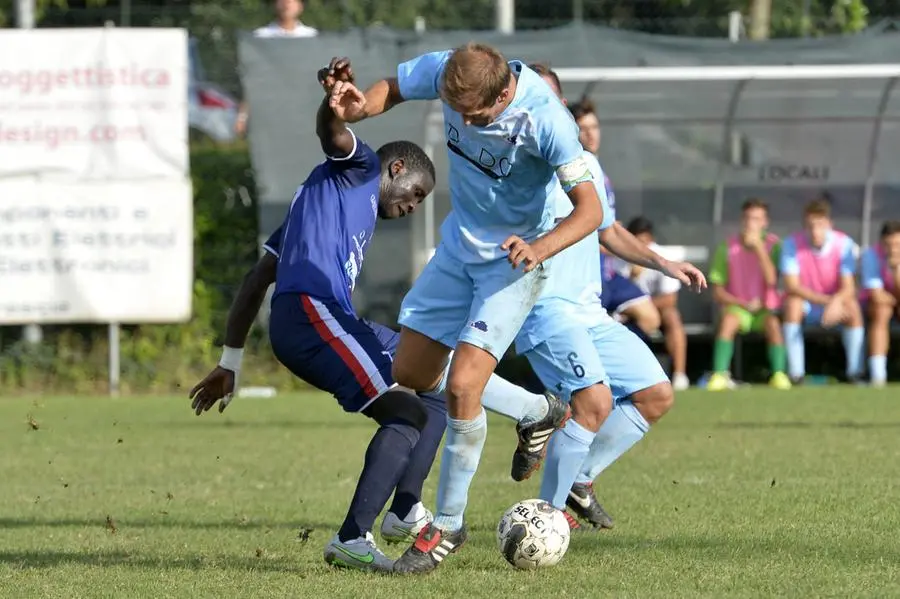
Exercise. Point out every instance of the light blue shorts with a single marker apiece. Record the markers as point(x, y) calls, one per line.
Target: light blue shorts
point(480, 304)
point(573, 358)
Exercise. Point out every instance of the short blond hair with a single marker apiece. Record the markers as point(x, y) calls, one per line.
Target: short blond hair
point(474, 77)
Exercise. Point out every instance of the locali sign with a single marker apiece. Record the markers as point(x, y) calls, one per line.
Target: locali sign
point(775, 173)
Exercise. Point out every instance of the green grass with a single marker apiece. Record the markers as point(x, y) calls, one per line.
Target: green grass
point(748, 494)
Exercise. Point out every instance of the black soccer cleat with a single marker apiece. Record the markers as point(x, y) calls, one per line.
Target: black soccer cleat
point(428, 552)
point(583, 502)
point(533, 439)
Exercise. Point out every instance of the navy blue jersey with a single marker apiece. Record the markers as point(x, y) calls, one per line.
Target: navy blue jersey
point(322, 243)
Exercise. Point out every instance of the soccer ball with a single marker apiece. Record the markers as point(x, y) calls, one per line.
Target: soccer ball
point(533, 534)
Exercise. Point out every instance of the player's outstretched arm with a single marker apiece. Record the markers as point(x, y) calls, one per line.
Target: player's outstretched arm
point(618, 240)
point(352, 105)
point(221, 383)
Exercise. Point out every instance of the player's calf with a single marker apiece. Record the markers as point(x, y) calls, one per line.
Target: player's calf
point(880, 315)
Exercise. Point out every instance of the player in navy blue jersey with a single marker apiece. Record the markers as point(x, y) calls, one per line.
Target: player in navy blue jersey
point(314, 258)
point(314, 330)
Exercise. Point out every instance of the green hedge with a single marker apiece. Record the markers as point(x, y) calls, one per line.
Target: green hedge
point(164, 358)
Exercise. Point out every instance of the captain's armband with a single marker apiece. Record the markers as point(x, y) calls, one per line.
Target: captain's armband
point(573, 173)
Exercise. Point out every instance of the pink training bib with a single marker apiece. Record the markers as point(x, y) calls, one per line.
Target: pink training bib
point(820, 271)
point(745, 275)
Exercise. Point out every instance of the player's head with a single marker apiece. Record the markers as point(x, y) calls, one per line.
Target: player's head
point(754, 216)
point(288, 10)
point(890, 241)
point(588, 125)
point(477, 83)
point(407, 177)
point(817, 221)
point(552, 79)
point(642, 228)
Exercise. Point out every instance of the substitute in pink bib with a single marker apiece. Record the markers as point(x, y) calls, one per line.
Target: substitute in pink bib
point(818, 267)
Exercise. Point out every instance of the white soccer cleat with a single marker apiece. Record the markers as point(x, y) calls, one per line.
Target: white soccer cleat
point(680, 382)
point(397, 530)
point(361, 553)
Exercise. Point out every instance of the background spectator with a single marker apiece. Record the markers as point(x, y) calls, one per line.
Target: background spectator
point(663, 291)
point(880, 275)
point(287, 24)
point(819, 267)
point(745, 281)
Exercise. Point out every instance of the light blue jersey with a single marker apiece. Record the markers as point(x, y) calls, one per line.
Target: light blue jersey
point(502, 176)
point(572, 292)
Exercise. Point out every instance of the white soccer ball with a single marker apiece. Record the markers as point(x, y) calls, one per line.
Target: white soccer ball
point(533, 534)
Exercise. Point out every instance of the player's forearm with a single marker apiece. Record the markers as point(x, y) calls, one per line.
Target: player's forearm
point(336, 139)
point(626, 246)
point(382, 96)
point(725, 298)
point(807, 294)
point(770, 273)
point(581, 222)
point(247, 302)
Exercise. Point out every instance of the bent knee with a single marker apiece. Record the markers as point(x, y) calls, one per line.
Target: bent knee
point(413, 378)
point(398, 405)
point(654, 402)
point(591, 406)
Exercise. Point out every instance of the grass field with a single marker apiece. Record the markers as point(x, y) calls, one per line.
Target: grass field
point(748, 494)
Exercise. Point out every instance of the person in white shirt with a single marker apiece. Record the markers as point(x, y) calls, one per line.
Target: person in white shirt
point(287, 24)
point(664, 292)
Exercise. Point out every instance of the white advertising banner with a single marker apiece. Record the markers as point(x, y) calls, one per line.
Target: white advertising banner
point(96, 210)
point(96, 252)
point(93, 104)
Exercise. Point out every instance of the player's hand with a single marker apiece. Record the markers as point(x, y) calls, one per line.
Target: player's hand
point(348, 103)
point(520, 252)
point(218, 385)
point(338, 69)
point(753, 305)
point(689, 275)
point(751, 239)
point(834, 313)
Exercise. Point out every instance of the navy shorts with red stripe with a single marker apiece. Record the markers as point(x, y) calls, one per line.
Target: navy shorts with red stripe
point(334, 351)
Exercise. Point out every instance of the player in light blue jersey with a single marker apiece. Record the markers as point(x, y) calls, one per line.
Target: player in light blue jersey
point(508, 135)
point(614, 383)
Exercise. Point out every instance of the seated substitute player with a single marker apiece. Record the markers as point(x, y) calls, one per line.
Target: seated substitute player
point(818, 265)
point(345, 355)
point(745, 285)
point(880, 268)
point(507, 135)
point(663, 291)
point(625, 300)
point(578, 350)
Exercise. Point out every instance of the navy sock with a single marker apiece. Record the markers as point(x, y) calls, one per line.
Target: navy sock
point(386, 459)
point(409, 489)
point(634, 328)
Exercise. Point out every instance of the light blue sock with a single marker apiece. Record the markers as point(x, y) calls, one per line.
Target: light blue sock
point(619, 433)
point(566, 452)
point(854, 338)
point(502, 397)
point(796, 351)
point(878, 369)
point(462, 452)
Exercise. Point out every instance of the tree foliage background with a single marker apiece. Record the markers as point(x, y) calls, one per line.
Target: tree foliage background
point(675, 17)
